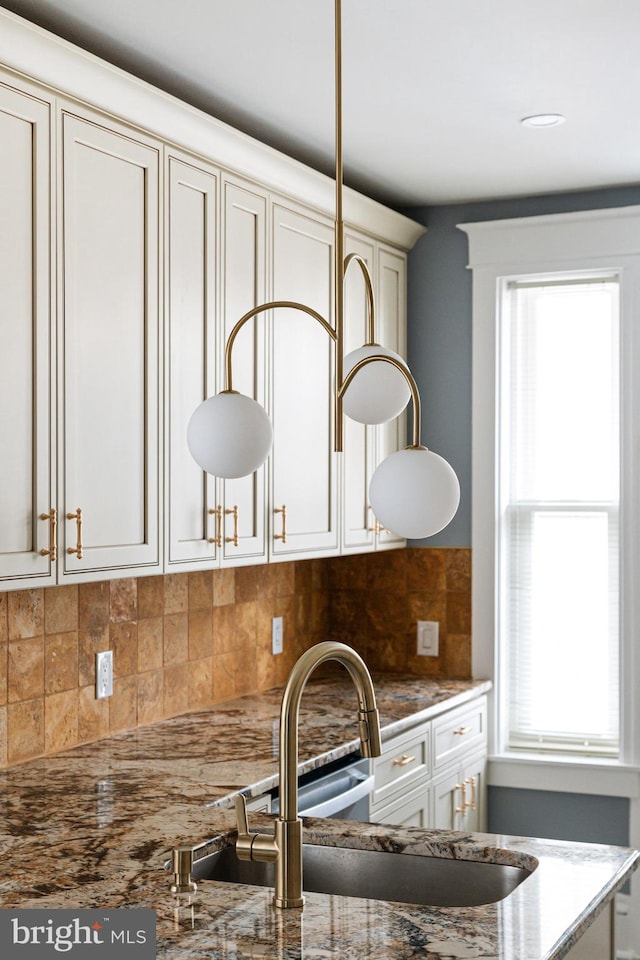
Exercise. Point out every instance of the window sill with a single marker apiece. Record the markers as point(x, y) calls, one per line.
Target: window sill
point(588, 775)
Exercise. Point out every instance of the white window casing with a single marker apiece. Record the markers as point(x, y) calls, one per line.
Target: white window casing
point(602, 243)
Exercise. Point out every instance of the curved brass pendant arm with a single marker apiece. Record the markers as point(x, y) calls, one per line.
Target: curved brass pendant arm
point(406, 373)
point(250, 314)
point(371, 322)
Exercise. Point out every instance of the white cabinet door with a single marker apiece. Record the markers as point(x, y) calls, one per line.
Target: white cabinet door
point(458, 796)
point(190, 296)
point(358, 458)
point(109, 285)
point(303, 463)
point(26, 488)
point(243, 501)
point(391, 332)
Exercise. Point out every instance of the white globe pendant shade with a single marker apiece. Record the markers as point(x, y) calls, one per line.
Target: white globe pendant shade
point(378, 392)
point(414, 493)
point(229, 435)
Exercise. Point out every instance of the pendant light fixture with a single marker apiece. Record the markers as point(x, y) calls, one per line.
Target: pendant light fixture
point(413, 492)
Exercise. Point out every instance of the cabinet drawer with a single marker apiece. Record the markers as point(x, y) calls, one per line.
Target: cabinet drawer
point(405, 760)
point(409, 810)
point(460, 730)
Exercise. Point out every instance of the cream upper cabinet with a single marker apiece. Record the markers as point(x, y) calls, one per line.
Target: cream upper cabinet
point(391, 331)
point(100, 243)
point(26, 487)
point(209, 286)
point(191, 298)
point(303, 463)
point(358, 457)
point(244, 274)
point(108, 281)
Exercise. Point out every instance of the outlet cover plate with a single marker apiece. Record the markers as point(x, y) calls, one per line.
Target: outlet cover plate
point(277, 640)
point(428, 631)
point(104, 674)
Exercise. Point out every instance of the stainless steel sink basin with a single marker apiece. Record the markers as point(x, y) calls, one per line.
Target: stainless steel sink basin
point(375, 875)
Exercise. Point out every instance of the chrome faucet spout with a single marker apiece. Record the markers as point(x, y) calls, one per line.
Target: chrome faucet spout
point(285, 847)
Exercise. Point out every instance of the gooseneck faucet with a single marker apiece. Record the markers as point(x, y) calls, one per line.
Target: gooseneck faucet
point(284, 848)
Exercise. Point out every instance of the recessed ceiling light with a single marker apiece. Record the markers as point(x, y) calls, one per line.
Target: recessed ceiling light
point(543, 120)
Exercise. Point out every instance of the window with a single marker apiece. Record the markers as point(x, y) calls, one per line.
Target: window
point(558, 546)
point(556, 511)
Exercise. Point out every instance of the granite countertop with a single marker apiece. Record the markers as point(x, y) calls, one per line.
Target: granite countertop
point(95, 825)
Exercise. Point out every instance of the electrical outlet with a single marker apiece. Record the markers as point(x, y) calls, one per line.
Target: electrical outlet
point(104, 674)
point(427, 638)
point(277, 642)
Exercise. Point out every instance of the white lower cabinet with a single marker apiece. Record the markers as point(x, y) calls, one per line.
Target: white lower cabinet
point(458, 796)
point(599, 941)
point(433, 775)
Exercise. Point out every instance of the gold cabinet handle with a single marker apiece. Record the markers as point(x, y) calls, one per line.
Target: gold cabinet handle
point(77, 516)
point(462, 787)
point(460, 732)
point(283, 510)
point(52, 517)
point(217, 513)
point(403, 761)
point(234, 538)
point(377, 528)
point(471, 805)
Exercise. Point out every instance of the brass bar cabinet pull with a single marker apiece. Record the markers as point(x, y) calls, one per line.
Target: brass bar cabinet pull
point(460, 732)
point(376, 528)
point(283, 510)
point(77, 516)
point(233, 512)
point(52, 517)
point(403, 761)
point(462, 787)
point(471, 805)
point(217, 513)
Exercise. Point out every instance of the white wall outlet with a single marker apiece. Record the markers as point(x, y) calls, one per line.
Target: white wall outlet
point(277, 641)
point(428, 638)
point(104, 674)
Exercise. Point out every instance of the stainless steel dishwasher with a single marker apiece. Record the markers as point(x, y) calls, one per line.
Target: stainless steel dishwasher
point(340, 790)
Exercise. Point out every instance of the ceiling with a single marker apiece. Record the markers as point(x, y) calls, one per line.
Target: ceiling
point(434, 90)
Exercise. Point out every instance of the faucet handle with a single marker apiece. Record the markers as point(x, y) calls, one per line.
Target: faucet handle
point(241, 814)
point(252, 846)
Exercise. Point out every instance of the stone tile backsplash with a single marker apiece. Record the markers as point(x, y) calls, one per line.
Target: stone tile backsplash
point(186, 641)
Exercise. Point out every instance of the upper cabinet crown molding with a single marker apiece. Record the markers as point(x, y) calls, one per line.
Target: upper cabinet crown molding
point(54, 62)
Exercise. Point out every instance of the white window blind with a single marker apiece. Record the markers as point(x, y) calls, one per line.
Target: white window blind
point(559, 482)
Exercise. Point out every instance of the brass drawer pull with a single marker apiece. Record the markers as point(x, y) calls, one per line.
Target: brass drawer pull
point(462, 787)
point(234, 538)
point(77, 516)
point(283, 510)
point(52, 517)
point(460, 732)
point(403, 761)
point(217, 513)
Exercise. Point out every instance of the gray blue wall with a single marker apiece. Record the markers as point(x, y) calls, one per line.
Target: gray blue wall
point(439, 325)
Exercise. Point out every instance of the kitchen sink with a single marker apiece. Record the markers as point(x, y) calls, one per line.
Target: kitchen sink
point(377, 875)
